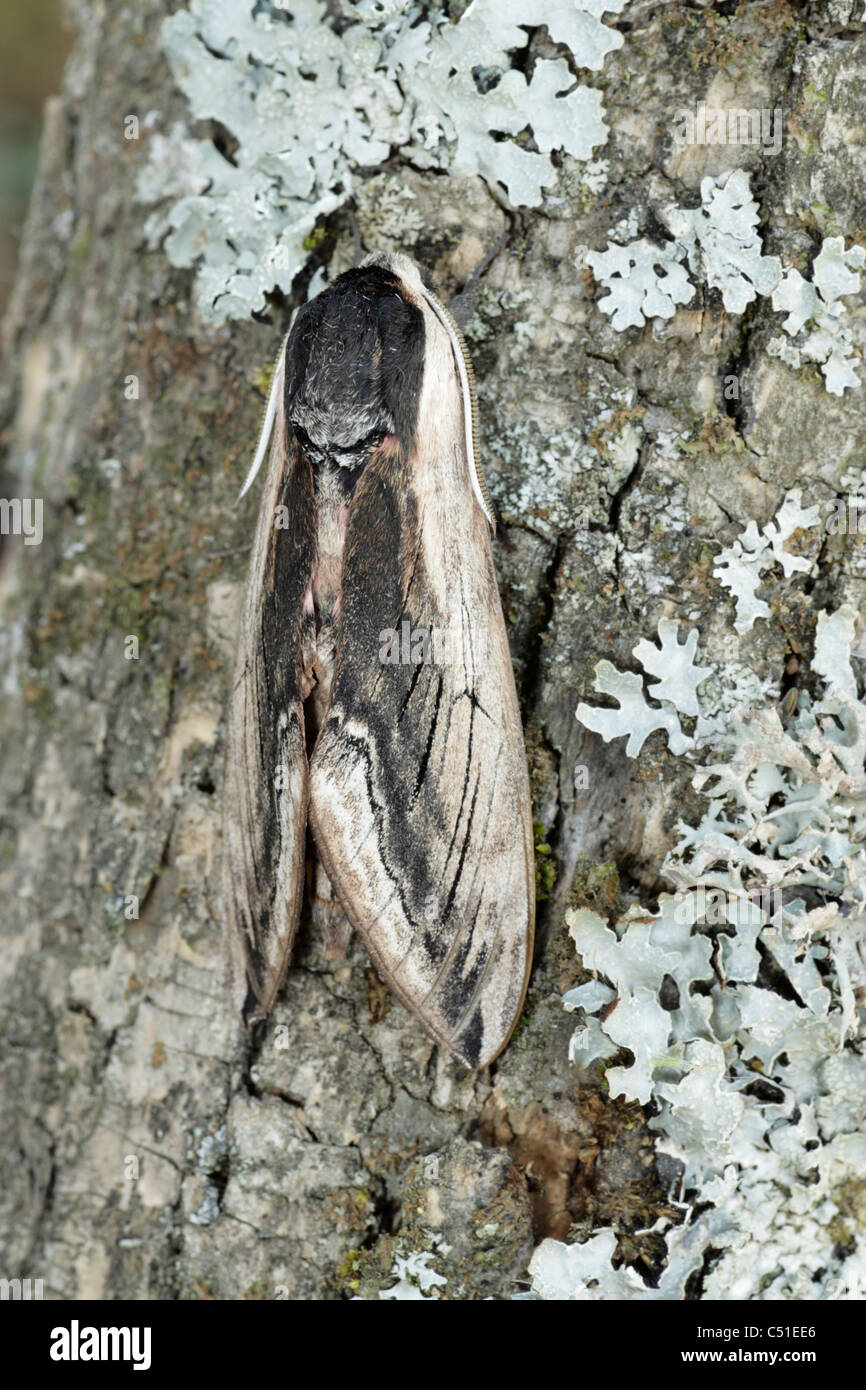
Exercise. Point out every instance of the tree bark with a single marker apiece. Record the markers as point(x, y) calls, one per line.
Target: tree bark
point(152, 1148)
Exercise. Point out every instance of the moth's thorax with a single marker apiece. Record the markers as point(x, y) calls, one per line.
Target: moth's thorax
point(353, 372)
point(354, 363)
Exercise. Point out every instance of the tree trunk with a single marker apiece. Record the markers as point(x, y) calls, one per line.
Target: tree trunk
point(158, 1150)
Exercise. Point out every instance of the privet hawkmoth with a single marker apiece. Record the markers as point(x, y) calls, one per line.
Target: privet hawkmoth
point(406, 758)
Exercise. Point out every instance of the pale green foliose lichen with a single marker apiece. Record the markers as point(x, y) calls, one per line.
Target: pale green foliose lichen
point(817, 314)
point(741, 566)
point(308, 106)
point(722, 247)
point(740, 996)
point(644, 281)
point(722, 243)
point(415, 1279)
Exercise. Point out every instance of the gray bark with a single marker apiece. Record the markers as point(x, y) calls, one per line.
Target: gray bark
point(152, 1149)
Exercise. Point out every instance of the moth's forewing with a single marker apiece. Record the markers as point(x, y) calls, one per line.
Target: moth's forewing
point(419, 791)
point(266, 788)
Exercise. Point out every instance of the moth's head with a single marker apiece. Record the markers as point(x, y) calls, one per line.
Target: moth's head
point(354, 366)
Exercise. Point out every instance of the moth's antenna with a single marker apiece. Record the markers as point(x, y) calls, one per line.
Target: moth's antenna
point(470, 407)
point(270, 413)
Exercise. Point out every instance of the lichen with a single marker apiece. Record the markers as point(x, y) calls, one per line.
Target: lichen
point(719, 240)
point(722, 243)
point(735, 1004)
point(643, 280)
point(306, 105)
point(741, 566)
point(817, 315)
point(722, 246)
point(675, 692)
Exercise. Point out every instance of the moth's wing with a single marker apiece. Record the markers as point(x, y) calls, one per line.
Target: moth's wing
point(419, 791)
point(266, 788)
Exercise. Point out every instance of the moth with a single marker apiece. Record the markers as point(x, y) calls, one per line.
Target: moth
point(405, 758)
